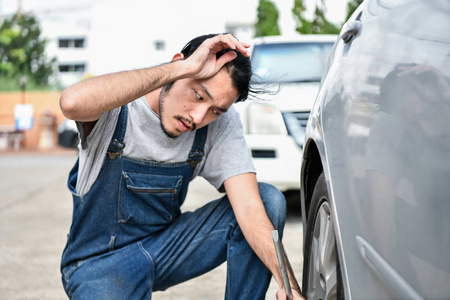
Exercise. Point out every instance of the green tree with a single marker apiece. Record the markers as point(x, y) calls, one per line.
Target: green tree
point(267, 23)
point(318, 25)
point(22, 50)
point(352, 5)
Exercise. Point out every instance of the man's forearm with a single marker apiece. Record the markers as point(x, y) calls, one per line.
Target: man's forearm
point(254, 222)
point(258, 233)
point(88, 100)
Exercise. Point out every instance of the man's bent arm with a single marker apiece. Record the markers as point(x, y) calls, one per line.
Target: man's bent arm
point(87, 100)
point(243, 192)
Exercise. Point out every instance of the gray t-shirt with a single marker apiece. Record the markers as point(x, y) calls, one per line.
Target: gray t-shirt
point(226, 151)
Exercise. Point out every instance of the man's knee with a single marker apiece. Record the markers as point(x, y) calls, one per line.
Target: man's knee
point(275, 204)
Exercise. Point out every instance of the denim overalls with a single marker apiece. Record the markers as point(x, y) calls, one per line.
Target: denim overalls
point(128, 237)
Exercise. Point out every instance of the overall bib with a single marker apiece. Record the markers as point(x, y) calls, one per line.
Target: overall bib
point(128, 237)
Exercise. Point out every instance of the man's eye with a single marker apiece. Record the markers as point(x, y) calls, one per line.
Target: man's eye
point(198, 96)
point(216, 112)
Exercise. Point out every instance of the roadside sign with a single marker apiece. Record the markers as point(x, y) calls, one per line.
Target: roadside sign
point(23, 116)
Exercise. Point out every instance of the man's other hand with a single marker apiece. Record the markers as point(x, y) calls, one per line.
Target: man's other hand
point(281, 295)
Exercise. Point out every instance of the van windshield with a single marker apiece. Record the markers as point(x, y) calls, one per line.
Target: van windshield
point(290, 62)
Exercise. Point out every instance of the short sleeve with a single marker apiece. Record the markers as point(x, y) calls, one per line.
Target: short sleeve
point(229, 154)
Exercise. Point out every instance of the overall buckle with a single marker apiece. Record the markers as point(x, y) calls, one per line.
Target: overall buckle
point(115, 149)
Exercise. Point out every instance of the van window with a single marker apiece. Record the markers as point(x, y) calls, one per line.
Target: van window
point(290, 62)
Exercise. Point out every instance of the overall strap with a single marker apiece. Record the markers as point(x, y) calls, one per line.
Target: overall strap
point(117, 142)
point(197, 150)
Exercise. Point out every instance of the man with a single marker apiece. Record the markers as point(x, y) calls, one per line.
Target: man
point(144, 136)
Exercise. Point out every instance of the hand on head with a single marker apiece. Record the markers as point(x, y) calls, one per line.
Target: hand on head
point(203, 63)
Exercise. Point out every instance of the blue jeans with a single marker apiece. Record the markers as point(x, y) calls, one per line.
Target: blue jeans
point(195, 243)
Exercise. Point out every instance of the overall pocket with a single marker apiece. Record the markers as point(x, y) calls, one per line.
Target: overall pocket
point(148, 199)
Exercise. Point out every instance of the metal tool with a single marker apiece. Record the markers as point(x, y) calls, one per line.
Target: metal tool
point(281, 261)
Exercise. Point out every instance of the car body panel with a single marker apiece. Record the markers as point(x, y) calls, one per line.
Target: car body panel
point(385, 151)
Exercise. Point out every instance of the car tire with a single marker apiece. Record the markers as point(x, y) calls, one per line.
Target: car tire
point(321, 269)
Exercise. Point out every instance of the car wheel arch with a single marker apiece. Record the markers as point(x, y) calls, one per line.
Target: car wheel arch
point(310, 172)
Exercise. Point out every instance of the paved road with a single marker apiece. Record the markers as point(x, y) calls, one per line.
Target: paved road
point(35, 213)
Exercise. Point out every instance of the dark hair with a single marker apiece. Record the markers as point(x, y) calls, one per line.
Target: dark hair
point(240, 68)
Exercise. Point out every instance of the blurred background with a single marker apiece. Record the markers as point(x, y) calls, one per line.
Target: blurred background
point(47, 45)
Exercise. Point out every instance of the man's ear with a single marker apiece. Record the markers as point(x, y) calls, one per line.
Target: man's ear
point(178, 56)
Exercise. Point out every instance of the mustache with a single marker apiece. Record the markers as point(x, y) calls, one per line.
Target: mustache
point(187, 122)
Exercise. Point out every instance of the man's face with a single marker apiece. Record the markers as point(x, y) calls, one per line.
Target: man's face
point(191, 104)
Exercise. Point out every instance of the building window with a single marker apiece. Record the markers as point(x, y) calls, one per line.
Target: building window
point(66, 68)
point(63, 43)
point(79, 43)
point(160, 45)
point(71, 43)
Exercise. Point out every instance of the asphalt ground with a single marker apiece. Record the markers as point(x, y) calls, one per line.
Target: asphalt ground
point(35, 214)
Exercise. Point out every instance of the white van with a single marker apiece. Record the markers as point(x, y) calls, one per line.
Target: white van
point(274, 126)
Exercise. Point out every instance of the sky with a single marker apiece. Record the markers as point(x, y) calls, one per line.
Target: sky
point(336, 9)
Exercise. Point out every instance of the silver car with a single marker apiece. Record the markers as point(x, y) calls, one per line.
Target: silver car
point(375, 172)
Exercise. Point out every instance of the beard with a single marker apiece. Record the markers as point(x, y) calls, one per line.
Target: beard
point(168, 133)
point(164, 91)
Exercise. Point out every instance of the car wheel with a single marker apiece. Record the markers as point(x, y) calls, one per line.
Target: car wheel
point(321, 270)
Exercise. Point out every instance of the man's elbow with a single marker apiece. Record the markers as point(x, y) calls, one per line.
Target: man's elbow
point(68, 104)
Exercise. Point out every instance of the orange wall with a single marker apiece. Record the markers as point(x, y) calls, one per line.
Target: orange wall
point(41, 101)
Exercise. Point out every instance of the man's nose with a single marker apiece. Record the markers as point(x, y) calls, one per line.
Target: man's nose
point(198, 113)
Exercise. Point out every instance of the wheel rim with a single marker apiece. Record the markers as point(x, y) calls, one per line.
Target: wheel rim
point(322, 283)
